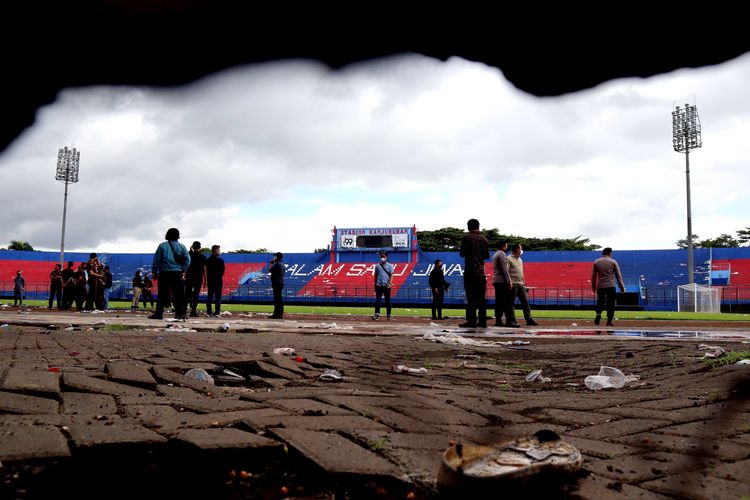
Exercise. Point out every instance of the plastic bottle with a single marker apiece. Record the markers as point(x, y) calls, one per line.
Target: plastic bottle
point(607, 378)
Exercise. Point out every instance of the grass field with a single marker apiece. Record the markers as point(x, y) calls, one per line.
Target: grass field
point(399, 311)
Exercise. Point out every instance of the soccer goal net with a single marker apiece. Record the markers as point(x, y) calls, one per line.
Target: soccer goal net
point(697, 298)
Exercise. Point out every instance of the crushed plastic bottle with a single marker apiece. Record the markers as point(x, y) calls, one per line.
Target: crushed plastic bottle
point(200, 375)
point(536, 375)
point(406, 369)
point(286, 351)
point(225, 327)
point(331, 375)
point(608, 378)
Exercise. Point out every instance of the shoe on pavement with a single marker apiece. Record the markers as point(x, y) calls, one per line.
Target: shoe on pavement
point(531, 322)
point(154, 316)
point(513, 325)
point(375, 318)
point(467, 325)
point(597, 319)
point(610, 323)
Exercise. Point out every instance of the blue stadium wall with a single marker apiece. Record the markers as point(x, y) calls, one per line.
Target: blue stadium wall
point(652, 274)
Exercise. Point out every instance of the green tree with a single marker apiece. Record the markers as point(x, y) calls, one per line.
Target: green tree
point(743, 235)
point(257, 250)
point(721, 241)
point(683, 243)
point(20, 245)
point(448, 239)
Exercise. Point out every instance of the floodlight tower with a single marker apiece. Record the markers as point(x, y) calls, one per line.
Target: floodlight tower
point(686, 135)
point(67, 172)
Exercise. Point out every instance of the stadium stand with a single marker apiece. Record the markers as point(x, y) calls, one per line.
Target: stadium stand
point(554, 279)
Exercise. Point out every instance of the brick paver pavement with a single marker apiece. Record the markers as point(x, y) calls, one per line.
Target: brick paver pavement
point(72, 384)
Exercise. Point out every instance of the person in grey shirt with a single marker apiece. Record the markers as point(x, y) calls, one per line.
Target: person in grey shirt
point(515, 269)
point(383, 283)
point(603, 275)
point(503, 285)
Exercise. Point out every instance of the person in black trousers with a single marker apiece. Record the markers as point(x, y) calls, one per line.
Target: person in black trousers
point(195, 277)
point(439, 286)
point(475, 250)
point(171, 261)
point(277, 268)
point(214, 280)
point(55, 286)
point(69, 286)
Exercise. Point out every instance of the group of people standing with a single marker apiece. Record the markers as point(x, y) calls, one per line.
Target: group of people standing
point(181, 274)
point(508, 282)
point(88, 286)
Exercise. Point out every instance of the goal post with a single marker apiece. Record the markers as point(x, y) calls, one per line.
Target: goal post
point(698, 298)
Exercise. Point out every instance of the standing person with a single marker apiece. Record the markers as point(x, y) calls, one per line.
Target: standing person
point(475, 250)
point(19, 289)
point(80, 291)
point(146, 288)
point(503, 285)
point(55, 286)
point(137, 289)
point(107, 287)
point(383, 282)
point(515, 269)
point(69, 286)
point(439, 286)
point(277, 269)
point(94, 280)
point(195, 277)
point(171, 261)
point(603, 275)
point(214, 280)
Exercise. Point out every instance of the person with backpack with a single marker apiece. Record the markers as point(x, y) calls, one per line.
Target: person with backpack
point(170, 264)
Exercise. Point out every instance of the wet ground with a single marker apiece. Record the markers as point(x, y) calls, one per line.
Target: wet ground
point(97, 405)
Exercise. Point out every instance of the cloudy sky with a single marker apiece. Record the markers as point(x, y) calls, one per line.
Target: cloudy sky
point(274, 155)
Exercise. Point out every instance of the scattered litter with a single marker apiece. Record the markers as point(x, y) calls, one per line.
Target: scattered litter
point(434, 324)
point(574, 324)
point(331, 375)
point(743, 362)
point(102, 322)
point(608, 378)
point(160, 338)
point(74, 353)
point(225, 376)
point(53, 369)
point(175, 328)
point(406, 369)
point(286, 351)
point(200, 374)
point(572, 384)
point(4, 325)
point(327, 325)
point(299, 359)
point(5, 305)
point(172, 320)
point(225, 313)
point(97, 311)
point(715, 351)
point(537, 375)
point(224, 327)
point(468, 356)
point(69, 329)
point(454, 339)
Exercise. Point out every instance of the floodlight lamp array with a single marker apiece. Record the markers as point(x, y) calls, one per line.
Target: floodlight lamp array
point(67, 165)
point(686, 129)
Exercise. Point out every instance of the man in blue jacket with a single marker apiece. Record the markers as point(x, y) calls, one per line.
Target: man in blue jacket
point(171, 261)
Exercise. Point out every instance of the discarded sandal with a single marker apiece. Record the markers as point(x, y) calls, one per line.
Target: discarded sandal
point(515, 463)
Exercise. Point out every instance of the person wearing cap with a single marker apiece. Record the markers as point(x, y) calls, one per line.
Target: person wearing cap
point(171, 261)
point(214, 280)
point(195, 277)
point(19, 286)
point(383, 274)
point(277, 269)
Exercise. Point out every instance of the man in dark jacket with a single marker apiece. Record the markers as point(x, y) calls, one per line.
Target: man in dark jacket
point(214, 279)
point(55, 286)
point(107, 278)
point(195, 277)
point(69, 286)
point(438, 285)
point(277, 268)
point(475, 250)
